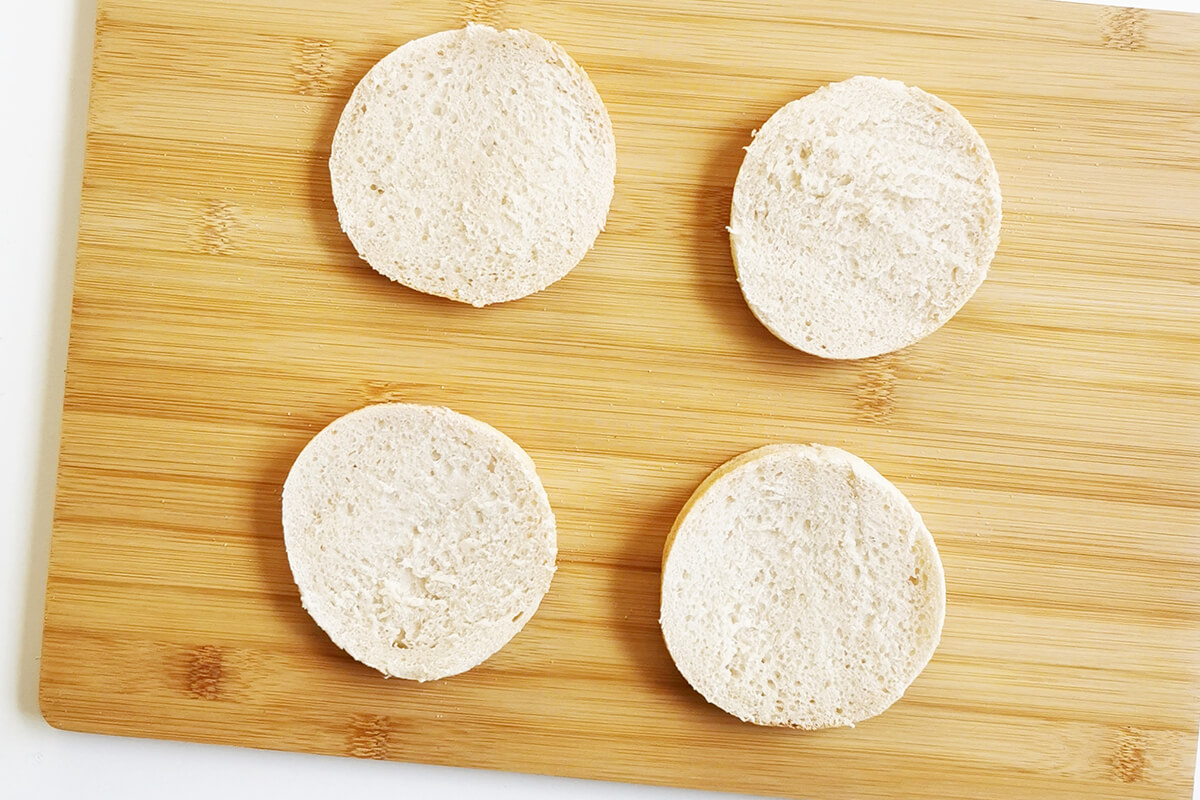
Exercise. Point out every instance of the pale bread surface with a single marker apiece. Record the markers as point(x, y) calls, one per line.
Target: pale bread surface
point(421, 539)
point(800, 588)
point(474, 164)
point(864, 216)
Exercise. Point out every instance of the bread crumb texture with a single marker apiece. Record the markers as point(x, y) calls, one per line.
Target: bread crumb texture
point(474, 164)
point(800, 588)
point(864, 216)
point(421, 539)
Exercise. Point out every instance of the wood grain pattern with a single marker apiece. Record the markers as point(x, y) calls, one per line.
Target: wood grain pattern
point(1048, 433)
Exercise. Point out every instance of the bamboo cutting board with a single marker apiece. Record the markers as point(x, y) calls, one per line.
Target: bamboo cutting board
point(1048, 433)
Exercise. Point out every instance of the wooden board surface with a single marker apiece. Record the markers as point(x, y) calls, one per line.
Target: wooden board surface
point(1048, 433)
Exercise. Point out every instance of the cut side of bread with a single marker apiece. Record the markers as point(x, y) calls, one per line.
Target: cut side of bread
point(800, 588)
point(474, 164)
point(421, 539)
point(864, 216)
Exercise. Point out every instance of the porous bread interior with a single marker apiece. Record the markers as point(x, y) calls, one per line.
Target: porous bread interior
point(421, 539)
point(864, 216)
point(801, 588)
point(474, 164)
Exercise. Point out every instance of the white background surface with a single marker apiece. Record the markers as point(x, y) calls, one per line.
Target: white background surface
point(45, 48)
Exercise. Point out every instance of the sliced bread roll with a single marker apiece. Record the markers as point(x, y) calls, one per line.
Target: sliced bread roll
point(421, 539)
point(474, 164)
point(864, 216)
point(801, 589)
